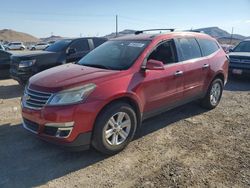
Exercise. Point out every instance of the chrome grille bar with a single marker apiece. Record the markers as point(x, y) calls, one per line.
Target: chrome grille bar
point(35, 99)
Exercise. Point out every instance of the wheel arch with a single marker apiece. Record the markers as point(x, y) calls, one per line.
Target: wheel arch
point(127, 99)
point(221, 76)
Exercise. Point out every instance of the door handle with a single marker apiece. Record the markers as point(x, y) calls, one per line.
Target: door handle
point(178, 73)
point(205, 66)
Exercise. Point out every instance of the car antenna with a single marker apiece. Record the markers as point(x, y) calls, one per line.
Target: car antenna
point(142, 31)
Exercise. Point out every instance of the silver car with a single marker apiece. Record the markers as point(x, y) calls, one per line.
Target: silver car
point(39, 46)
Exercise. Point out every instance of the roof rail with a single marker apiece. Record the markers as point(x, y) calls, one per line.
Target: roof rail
point(142, 31)
point(195, 31)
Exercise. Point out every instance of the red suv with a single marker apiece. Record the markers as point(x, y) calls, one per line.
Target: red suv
point(102, 99)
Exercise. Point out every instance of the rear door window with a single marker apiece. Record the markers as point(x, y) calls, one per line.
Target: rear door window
point(208, 46)
point(99, 41)
point(188, 48)
point(80, 45)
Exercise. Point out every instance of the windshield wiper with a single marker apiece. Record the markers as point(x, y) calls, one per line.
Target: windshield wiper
point(97, 66)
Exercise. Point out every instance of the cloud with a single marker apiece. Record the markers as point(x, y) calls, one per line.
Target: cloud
point(247, 21)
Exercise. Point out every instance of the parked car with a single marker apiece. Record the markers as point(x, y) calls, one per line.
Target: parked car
point(39, 46)
point(15, 46)
point(102, 99)
point(61, 52)
point(2, 47)
point(240, 59)
point(227, 48)
point(4, 64)
point(51, 42)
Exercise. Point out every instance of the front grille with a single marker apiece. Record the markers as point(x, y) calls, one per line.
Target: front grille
point(35, 99)
point(31, 125)
point(245, 61)
point(14, 63)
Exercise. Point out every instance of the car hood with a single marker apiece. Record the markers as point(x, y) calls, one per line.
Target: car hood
point(239, 54)
point(34, 54)
point(68, 76)
point(40, 57)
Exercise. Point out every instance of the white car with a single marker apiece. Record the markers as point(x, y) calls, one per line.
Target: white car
point(39, 46)
point(15, 46)
point(2, 47)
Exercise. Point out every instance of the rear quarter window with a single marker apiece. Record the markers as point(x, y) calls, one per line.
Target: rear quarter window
point(208, 46)
point(98, 41)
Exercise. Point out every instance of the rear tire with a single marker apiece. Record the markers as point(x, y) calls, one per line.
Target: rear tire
point(21, 48)
point(213, 96)
point(114, 128)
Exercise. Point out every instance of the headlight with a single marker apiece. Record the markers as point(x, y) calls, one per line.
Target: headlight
point(27, 63)
point(71, 96)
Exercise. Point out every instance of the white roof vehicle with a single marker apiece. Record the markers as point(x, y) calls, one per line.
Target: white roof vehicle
point(39, 46)
point(15, 46)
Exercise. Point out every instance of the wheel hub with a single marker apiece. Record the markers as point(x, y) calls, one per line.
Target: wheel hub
point(117, 128)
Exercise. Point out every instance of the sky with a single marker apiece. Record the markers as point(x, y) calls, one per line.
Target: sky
point(73, 18)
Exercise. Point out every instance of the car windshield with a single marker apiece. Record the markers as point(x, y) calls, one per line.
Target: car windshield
point(59, 45)
point(115, 55)
point(243, 47)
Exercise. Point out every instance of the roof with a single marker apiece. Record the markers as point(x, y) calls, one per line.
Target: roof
point(154, 36)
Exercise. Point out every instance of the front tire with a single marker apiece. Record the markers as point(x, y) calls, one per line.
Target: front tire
point(114, 128)
point(213, 96)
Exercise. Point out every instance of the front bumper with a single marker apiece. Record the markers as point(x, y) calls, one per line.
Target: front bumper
point(45, 122)
point(20, 76)
point(82, 141)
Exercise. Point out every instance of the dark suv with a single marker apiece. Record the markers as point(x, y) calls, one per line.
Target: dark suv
point(4, 64)
point(240, 59)
point(102, 99)
point(61, 52)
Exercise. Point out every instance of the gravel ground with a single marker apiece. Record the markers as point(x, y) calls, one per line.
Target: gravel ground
point(185, 147)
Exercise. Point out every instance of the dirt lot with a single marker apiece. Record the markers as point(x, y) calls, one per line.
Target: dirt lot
point(184, 147)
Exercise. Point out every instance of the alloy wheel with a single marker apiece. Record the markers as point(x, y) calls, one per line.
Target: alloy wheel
point(117, 128)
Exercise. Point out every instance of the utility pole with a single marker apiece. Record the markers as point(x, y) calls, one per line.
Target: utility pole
point(116, 25)
point(231, 39)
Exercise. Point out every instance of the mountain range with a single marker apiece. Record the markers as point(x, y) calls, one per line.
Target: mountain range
point(215, 32)
point(11, 35)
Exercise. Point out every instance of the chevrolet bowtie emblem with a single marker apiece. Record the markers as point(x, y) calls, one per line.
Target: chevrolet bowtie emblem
point(26, 97)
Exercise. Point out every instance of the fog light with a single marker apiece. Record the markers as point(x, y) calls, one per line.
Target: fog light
point(60, 130)
point(63, 132)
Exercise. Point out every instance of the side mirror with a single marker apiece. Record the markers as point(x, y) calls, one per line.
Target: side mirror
point(230, 50)
point(154, 65)
point(71, 51)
